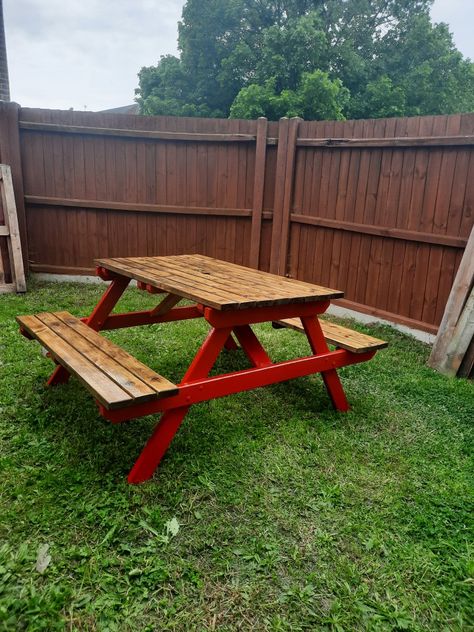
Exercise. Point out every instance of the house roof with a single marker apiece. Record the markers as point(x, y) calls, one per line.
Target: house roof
point(124, 109)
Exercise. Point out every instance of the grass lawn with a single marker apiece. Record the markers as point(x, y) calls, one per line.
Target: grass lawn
point(269, 512)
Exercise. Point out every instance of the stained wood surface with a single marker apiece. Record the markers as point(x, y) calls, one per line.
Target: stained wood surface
point(461, 339)
point(114, 377)
point(385, 223)
point(383, 214)
point(258, 192)
point(414, 141)
point(340, 336)
point(134, 133)
point(218, 284)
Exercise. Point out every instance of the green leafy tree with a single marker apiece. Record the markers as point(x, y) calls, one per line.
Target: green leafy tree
point(422, 60)
point(380, 99)
point(317, 97)
point(255, 101)
point(322, 98)
point(252, 57)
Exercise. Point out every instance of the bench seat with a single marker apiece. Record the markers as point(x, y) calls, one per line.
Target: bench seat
point(339, 336)
point(115, 378)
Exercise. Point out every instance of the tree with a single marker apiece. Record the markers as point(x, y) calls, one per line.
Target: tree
point(422, 60)
point(380, 99)
point(317, 58)
point(315, 98)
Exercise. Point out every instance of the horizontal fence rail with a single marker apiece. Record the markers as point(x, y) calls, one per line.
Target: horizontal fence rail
point(413, 141)
point(381, 209)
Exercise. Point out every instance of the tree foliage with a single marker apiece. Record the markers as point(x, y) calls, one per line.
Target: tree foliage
point(317, 59)
point(316, 97)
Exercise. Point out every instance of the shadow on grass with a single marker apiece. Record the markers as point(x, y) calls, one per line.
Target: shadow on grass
point(69, 418)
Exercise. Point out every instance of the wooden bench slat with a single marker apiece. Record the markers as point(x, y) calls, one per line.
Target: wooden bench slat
point(340, 336)
point(91, 350)
point(115, 378)
point(154, 380)
point(106, 392)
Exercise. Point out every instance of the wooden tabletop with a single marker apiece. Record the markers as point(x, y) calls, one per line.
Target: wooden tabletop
point(215, 283)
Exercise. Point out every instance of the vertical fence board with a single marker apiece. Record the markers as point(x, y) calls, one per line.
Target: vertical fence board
point(286, 207)
point(258, 191)
point(280, 173)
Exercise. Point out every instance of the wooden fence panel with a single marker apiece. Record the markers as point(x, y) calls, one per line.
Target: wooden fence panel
point(380, 208)
point(124, 196)
point(388, 223)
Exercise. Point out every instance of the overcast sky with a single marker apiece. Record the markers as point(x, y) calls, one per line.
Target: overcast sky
point(86, 54)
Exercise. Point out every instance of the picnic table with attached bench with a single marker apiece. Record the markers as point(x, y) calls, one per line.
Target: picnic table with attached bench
point(230, 298)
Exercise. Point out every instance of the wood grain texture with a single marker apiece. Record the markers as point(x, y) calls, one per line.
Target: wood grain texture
point(340, 336)
point(391, 141)
point(131, 133)
point(459, 296)
point(12, 230)
point(384, 214)
point(217, 284)
point(386, 224)
point(11, 154)
point(258, 192)
point(114, 377)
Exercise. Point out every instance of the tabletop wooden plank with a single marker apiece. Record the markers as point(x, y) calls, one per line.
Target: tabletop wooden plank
point(163, 281)
point(251, 278)
point(239, 282)
point(222, 283)
point(182, 273)
point(218, 284)
point(263, 279)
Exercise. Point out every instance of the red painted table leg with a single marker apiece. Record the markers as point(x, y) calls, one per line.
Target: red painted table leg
point(157, 445)
point(170, 421)
point(107, 302)
point(251, 345)
point(230, 344)
point(331, 379)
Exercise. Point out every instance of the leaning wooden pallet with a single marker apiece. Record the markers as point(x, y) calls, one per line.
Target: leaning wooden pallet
point(453, 350)
point(10, 233)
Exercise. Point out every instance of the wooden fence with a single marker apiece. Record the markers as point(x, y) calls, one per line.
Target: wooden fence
point(381, 209)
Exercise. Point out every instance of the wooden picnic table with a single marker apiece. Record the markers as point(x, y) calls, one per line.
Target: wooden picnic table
point(230, 298)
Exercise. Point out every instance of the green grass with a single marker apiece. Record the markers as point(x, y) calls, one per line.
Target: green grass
point(291, 516)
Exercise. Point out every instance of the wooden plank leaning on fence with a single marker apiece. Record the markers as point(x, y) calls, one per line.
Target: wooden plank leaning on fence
point(11, 231)
point(452, 351)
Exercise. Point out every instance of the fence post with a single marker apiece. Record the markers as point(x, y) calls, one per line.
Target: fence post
point(287, 136)
point(258, 190)
point(10, 155)
point(280, 170)
point(289, 179)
